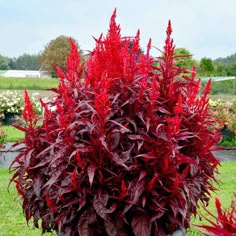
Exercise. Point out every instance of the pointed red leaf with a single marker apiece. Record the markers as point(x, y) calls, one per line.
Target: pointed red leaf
point(91, 171)
point(141, 225)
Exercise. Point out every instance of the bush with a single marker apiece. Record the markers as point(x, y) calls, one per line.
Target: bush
point(127, 151)
point(225, 117)
point(223, 87)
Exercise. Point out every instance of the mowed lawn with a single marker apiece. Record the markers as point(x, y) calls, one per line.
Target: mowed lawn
point(28, 83)
point(13, 134)
point(226, 189)
point(12, 221)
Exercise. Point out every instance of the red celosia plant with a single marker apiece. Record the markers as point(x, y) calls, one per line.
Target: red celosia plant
point(128, 150)
point(225, 221)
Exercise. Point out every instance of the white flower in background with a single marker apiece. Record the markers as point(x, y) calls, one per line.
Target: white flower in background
point(13, 102)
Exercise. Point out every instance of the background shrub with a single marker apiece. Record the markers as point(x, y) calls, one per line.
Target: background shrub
point(223, 87)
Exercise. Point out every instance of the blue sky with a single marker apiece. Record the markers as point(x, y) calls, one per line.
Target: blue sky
point(205, 27)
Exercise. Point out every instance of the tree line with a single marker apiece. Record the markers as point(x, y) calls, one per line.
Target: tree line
point(54, 54)
point(206, 66)
point(23, 62)
point(56, 51)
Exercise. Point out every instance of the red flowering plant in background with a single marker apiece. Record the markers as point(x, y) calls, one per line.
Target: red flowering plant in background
point(128, 150)
point(225, 221)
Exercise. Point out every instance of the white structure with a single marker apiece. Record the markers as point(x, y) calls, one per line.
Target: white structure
point(25, 74)
point(219, 78)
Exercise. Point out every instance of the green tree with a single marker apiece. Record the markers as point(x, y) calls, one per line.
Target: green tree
point(27, 62)
point(206, 67)
point(184, 58)
point(225, 66)
point(231, 70)
point(220, 69)
point(4, 62)
point(55, 53)
point(227, 60)
point(12, 63)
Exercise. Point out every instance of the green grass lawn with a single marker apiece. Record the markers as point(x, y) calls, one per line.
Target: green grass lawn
point(27, 83)
point(13, 134)
point(12, 221)
point(225, 192)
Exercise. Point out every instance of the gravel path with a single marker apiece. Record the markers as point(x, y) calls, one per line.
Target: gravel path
point(229, 154)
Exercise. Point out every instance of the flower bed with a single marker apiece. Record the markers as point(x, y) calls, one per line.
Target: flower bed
point(225, 118)
point(12, 104)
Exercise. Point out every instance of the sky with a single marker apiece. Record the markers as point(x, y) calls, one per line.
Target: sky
point(205, 27)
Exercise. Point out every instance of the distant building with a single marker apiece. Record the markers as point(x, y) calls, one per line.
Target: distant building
point(25, 74)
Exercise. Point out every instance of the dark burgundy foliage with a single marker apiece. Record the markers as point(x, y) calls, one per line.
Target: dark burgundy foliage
point(225, 221)
point(128, 150)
